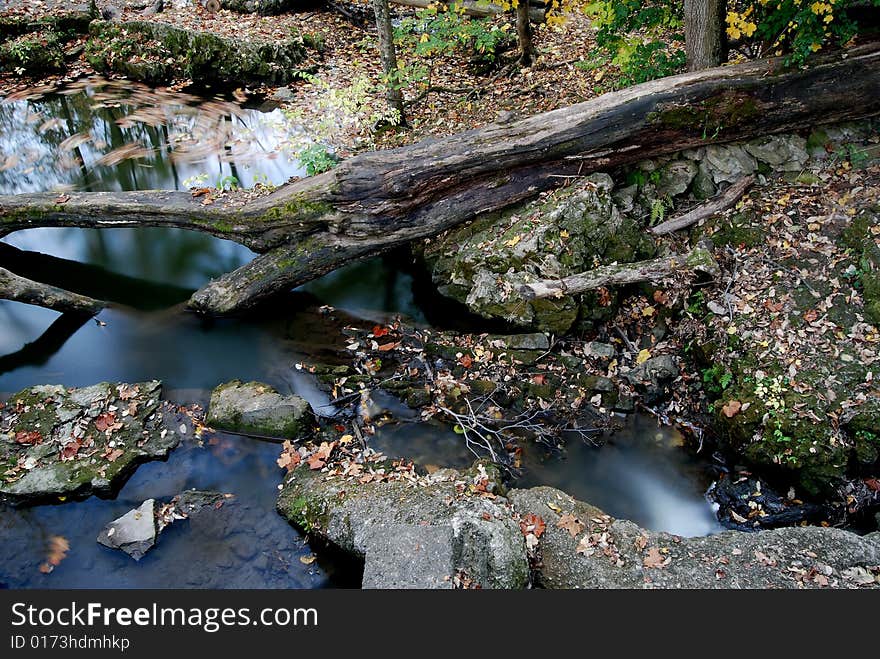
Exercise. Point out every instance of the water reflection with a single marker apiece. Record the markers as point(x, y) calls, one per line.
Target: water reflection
point(98, 135)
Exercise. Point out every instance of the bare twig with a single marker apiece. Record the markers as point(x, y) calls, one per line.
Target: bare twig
point(722, 202)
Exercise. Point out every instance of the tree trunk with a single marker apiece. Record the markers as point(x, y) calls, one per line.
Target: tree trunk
point(705, 34)
point(475, 8)
point(388, 55)
point(524, 33)
point(19, 289)
point(377, 201)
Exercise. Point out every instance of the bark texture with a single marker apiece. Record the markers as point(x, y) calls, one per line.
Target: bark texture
point(705, 33)
point(19, 289)
point(388, 56)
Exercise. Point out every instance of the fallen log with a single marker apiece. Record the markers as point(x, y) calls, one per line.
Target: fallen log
point(698, 259)
point(722, 202)
point(475, 8)
point(19, 289)
point(376, 201)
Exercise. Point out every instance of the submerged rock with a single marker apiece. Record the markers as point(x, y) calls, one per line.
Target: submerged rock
point(409, 535)
point(134, 532)
point(70, 443)
point(256, 408)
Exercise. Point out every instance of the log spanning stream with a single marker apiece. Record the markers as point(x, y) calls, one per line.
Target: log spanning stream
point(148, 273)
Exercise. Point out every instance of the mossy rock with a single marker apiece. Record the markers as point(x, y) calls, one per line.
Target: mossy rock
point(572, 230)
point(32, 53)
point(255, 408)
point(158, 52)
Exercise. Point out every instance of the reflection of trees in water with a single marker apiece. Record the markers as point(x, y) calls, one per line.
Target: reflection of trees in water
point(137, 141)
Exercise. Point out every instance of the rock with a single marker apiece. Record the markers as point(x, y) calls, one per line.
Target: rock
point(483, 264)
point(749, 504)
point(784, 153)
point(59, 442)
point(652, 376)
point(283, 94)
point(729, 163)
point(703, 185)
point(156, 52)
point(410, 556)
point(534, 341)
point(393, 526)
point(612, 553)
point(134, 532)
point(675, 178)
point(717, 308)
point(600, 350)
point(256, 408)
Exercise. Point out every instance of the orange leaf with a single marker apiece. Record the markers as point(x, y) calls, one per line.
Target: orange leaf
point(105, 421)
point(539, 379)
point(385, 347)
point(731, 409)
point(654, 559)
point(571, 524)
point(534, 524)
point(466, 361)
point(33, 438)
point(378, 331)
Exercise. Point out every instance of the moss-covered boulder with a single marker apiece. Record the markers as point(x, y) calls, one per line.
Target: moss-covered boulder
point(572, 230)
point(156, 52)
point(258, 409)
point(58, 443)
point(32, 53)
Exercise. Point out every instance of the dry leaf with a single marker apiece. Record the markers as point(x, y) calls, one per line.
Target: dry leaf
point(571, 524)
point(731, 409)
point(654, 559)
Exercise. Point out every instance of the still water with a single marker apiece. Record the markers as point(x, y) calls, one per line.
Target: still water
point(641, 473)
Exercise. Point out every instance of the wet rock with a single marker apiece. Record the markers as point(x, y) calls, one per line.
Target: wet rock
point(783, 153)
point(749, 504)
point(729, 163)
point(256, 408)
point(156, 52)
point(394, 525)
point(58, 442)
point(611, 553)
point(134, 532)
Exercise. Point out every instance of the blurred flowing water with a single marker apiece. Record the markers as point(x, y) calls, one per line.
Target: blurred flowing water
point(105, 136)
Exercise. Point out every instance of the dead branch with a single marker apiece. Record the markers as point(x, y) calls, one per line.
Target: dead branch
point(19, 289)
point(722, 202)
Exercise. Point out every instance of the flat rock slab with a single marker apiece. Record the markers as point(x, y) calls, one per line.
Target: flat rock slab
point(58, 443)
point(258, 409)
point(612, 553)
point(134, 532)
point(399, 528)
point(409, 556)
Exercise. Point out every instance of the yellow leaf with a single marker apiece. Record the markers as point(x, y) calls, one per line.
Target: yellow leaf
point(648, 311)
point(563, 234)
point(643, 356)
point(513, 241)
point(345, 439)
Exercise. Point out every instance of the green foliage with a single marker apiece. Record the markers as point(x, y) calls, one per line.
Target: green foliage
point(317, 159)
point(641, 38)
point(796, 28)
point(716, 379)
point(445, 30)
point(854, 154)
point(227, 183)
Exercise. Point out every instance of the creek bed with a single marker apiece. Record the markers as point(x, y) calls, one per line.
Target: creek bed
point(641, 473)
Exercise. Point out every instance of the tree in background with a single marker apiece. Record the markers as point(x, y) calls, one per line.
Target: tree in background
point(704, 33)
point(388, 55)
point(524, 32)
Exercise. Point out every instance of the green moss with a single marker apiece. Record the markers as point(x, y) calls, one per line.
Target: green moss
point(710, 117)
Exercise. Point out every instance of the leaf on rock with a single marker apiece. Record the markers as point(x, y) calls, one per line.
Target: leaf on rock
point(31, 438)
point(654, 559)
point(534, 524)
point(571, 524)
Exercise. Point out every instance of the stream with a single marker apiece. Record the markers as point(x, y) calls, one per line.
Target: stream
point(85, 140)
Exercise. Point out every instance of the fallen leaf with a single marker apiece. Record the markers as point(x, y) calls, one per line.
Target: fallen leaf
point(654, 559)
point(731, 409)
point(385, 347)
point(113, 455)
point(647, 312)
point(643, 356)
point(378, 331)
point(308, 560)
point(466, 361)
point(105, 421)
point(32, 438)
point(539, 379)
point(534, 524)
point(57, 552)
point(571, 524)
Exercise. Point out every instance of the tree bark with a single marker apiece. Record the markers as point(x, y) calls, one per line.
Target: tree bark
point(698, 259)
point(705, 34)
point(475, 8)
point(19, 289)
point(524, 33)
point(377, 201)
point(388, 56)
